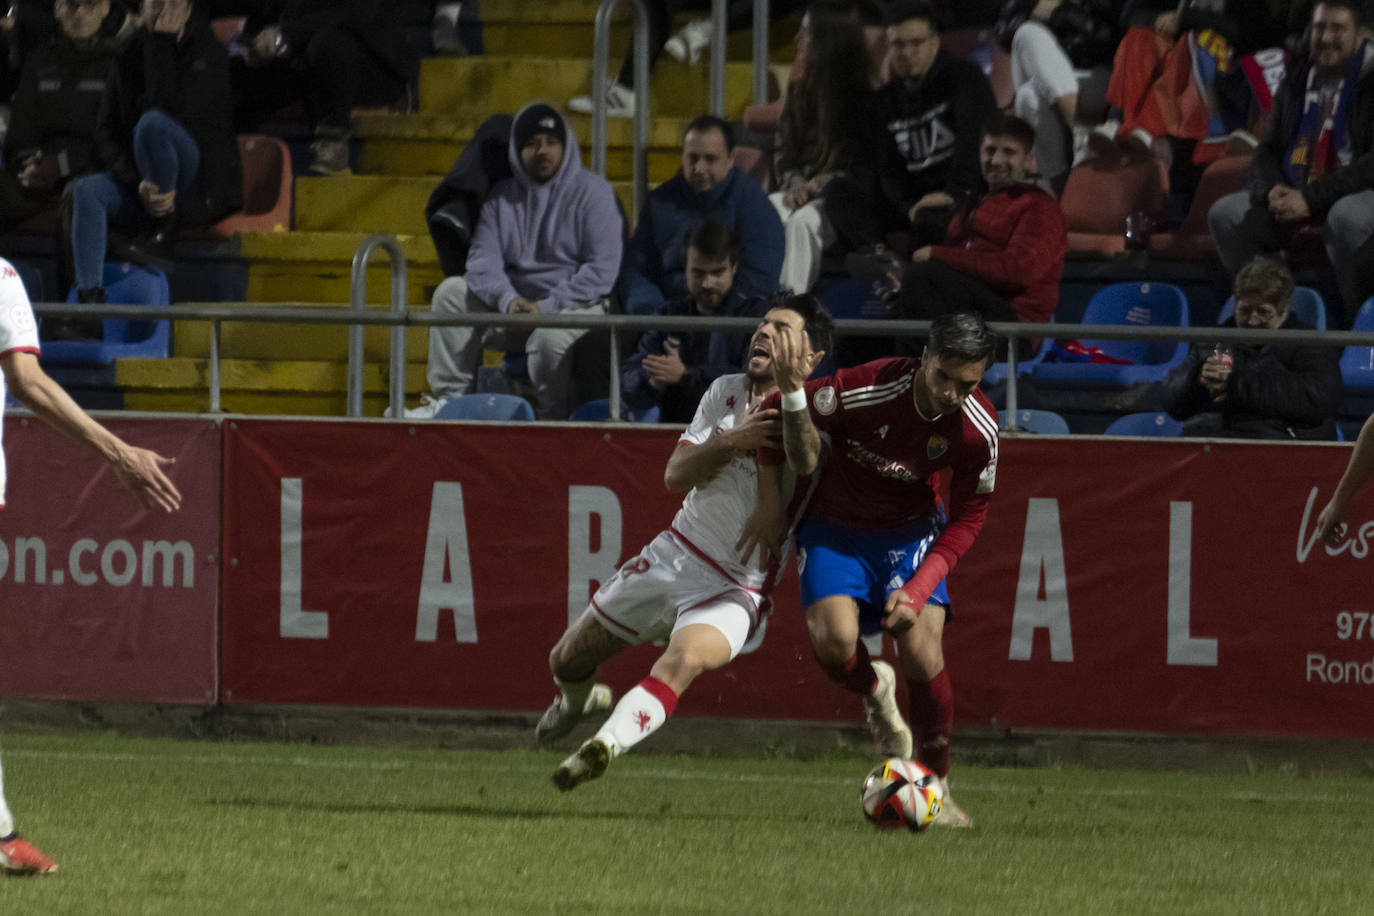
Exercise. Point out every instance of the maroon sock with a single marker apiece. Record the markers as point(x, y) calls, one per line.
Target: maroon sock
point(856, 675)
point(932, 719)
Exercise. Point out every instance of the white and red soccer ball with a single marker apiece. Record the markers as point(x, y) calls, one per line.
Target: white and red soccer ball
point(902, 793)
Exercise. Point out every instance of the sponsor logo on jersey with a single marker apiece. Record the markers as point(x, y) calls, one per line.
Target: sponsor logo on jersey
point(936, 446)
point(825, 400)
point(883, 466)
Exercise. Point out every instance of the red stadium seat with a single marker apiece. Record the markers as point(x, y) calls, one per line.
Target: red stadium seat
point(267, 181)
point(1098, 197)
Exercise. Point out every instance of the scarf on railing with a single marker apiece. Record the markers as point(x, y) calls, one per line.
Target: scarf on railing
point(1323, 129)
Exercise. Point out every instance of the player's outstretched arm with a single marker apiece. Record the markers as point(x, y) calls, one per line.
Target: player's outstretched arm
point(1331, 522)
point(792, 365)
point(139, 469)
point(693, 464)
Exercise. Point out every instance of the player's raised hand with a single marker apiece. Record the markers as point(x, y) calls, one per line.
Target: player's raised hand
point(790, 363)
point(142, 471)
point(900, 613)
point(1331, 526)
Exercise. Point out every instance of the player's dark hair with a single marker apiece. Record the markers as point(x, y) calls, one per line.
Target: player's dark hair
point(1001, 124)
point(713, 240)
point(903, 10)
point(703, 123)
point(819, 326)
point(963, 336)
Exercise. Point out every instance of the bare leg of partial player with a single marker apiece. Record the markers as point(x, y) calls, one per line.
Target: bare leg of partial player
point(705, 639)
point(16, 853)
point(834, 626)
point(576, 662)
point(920, 652)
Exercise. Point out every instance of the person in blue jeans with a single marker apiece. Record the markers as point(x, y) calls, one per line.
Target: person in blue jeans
point(167, 144)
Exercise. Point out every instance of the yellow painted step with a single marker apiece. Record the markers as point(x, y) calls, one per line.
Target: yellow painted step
point(317, 267)
point(259, 387)
point(491, 83)
point(244, 340)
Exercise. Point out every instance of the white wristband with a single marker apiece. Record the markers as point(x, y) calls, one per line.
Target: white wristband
point(794, 400)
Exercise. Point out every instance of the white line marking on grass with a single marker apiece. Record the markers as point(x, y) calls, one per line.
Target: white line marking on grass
point(656, 773)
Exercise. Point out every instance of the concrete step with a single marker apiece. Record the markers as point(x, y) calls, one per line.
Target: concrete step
point(492, 83)
point(428, 144)
point(181, 384)
point(317, 267)
point(379, 203)
point(565, 28)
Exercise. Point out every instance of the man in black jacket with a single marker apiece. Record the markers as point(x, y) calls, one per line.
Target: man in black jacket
point(1317, 163)
point(932, 111)
point(673, 369)
point(1258, 391)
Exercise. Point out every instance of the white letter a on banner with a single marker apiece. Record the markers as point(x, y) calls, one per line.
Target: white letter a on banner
point(1042, 551)
point(446, 544)
point(295, 622)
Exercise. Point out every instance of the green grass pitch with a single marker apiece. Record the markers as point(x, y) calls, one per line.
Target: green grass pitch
point(144, 826)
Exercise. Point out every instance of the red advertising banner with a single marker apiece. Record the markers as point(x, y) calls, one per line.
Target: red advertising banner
point(1164, 586)
point(101, 599)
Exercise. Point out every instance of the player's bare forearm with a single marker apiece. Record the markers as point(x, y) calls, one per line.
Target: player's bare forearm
point(800, 441)
point(1331, 520)
point(764, 530)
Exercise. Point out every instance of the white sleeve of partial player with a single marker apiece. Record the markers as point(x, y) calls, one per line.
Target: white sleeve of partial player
point(709, 413)
point(18, 329)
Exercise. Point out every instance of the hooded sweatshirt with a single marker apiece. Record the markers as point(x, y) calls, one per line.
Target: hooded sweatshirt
point(557, 243)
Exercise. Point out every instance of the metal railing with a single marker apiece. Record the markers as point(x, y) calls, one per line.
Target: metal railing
point(601, 50)
point(357, 294)
point(310, 313)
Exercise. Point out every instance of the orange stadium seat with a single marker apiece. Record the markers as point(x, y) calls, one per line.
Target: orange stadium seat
point(1193, 240)
point(267, 179)
point(1098, 197)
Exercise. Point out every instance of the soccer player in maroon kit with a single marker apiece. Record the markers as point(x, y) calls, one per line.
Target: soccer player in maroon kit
point(874, 546)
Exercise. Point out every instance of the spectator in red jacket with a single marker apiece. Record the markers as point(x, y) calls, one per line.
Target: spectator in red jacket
point(1003, 256)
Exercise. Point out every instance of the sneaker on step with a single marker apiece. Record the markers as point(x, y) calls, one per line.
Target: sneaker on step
point(329, 154)
point(689, 44)
point(1102, 140)
point(620, 102)
point(589, 762)
point(951, 815)
point(891, 735)
point(429, 406)
point(558, 720)
point(19, 855)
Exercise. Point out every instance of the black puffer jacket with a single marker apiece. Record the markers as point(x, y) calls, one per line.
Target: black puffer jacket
point(1276, 391)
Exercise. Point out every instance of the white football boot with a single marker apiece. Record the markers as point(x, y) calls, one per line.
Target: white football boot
point(891, 734)
point(589, 762)
point(951, 815)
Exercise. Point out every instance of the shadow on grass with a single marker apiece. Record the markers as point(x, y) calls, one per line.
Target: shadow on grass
point(666, 810)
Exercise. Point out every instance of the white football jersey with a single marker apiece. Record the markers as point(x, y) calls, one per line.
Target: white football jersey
point(18, 333)
point(713, 514)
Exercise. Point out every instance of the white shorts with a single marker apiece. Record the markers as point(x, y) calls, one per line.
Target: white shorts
point(667, 587)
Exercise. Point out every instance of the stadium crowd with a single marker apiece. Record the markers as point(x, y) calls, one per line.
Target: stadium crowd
point(924, 156)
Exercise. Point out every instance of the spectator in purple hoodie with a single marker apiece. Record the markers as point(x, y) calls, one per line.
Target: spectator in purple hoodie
point(548, 241)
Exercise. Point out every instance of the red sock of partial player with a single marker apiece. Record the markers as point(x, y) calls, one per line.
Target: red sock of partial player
point(932, 719)
point(856, 675)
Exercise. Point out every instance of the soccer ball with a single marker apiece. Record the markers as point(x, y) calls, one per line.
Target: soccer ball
point(902, 793)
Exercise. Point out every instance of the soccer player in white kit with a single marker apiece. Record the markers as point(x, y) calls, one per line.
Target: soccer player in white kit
point(138, 469)
point(705, 582)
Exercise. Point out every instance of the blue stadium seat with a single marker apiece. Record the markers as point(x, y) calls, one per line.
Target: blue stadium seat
point(1147, 304)
point(1144, 424)
point(1357, 363)
point(1038, 421)
point(600, 409)
point(1307, 304)
point(125, 284)
point(486, 407)
point(997, 372)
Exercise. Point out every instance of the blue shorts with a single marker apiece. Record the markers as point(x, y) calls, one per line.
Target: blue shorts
point(865, 565)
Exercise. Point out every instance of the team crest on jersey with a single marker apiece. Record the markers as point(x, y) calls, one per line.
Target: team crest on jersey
point(825, 400)
point(730, 402)
point(936, 446)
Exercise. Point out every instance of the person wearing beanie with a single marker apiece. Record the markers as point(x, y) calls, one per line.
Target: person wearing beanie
point(548, 240)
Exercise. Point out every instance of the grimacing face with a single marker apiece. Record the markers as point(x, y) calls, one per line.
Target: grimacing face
point(759, 365)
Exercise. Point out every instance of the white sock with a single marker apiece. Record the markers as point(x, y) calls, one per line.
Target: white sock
point(639, 714)
point(6, 819)
point(447, 12)
point(575, 693)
